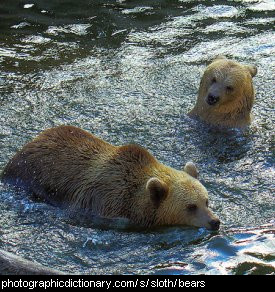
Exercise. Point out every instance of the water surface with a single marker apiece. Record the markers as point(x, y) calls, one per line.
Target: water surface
point(128, 71)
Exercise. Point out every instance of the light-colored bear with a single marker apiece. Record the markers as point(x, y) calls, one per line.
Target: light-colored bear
point(226, 94)
point(72, 167)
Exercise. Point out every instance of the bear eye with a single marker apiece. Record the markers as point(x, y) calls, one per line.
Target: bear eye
point(192, 208)
point(229, 88)
point(214, 80)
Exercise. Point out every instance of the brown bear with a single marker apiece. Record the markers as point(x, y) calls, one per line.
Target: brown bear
point(226, 94)
point(70, 166)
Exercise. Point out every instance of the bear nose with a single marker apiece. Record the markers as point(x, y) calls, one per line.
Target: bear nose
point(215, 224)
point(212, 99)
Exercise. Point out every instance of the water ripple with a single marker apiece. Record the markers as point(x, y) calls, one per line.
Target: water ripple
point(129, 73)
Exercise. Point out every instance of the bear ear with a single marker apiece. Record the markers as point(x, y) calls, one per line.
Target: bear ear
point(219, 57)
point(191, 169)
point(158, 190)
point(252, 69)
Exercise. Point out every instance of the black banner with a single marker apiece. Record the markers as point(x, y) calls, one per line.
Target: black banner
point(119, 281)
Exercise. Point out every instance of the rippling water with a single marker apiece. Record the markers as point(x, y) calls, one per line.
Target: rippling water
point(128, 71)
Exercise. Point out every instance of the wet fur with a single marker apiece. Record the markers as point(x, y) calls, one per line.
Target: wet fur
point(71, 167)
point(236, 111)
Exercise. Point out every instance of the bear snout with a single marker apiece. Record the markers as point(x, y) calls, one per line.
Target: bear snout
point(215, 224)
point(212, 99)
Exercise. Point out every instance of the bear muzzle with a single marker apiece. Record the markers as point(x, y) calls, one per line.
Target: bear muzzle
point(215, 224)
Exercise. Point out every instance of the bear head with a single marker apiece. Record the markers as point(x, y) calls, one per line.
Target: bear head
point(226, 93)
point(182, 200)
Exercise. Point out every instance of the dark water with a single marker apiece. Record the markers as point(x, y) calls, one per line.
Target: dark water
point(128, 71)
